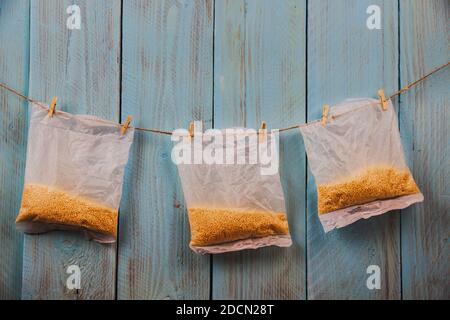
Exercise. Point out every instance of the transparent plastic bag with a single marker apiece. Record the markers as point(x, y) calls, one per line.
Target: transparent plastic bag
point(234, 206)
point(74, 174)
point(358, 163)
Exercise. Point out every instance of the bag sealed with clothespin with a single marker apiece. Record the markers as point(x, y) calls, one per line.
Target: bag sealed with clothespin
point(232, 189)
point(356, 156)
point(74, 173)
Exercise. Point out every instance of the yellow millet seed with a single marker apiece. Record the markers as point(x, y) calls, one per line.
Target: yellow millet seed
point(374, 183)
point(43, 204)
point(214, 226)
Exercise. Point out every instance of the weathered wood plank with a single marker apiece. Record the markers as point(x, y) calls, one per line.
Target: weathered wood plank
point(167, 82)
point(82, 68)
point(424, 119)
point(14, 58)
point(346, 59)
point(260, 75)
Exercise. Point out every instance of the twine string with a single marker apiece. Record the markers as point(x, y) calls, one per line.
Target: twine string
point(166, 132)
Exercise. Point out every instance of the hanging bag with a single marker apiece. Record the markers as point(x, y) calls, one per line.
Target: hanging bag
point(357, 161)
point(235, 204)
point(74, 174)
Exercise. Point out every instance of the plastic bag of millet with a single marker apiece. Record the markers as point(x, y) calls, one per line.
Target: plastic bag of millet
point(358, 163)
point(235, 200)
point(74, 174)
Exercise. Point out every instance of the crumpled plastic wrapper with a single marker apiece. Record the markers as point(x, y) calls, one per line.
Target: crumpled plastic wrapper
point(74, 174)
point(234, 206)
point(358, 163)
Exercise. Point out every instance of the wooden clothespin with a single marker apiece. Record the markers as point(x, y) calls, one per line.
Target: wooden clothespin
point(262, 132)
point(51, 110)
point(383, 101)
point(191, 129)
point(125, 126)
point(263, 125)
point(325, 110)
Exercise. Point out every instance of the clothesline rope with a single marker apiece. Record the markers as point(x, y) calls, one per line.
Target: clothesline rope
point(159, 131)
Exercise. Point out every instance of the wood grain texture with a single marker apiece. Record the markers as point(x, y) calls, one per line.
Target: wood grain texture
point(259, 74)
point(82, 68)
point(229, 63)
point(346, 60)
point(14, 58)
point(424, 126)
point(167, 82)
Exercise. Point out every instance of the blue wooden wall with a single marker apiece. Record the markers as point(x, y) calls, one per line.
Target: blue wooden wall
point(227, 63)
